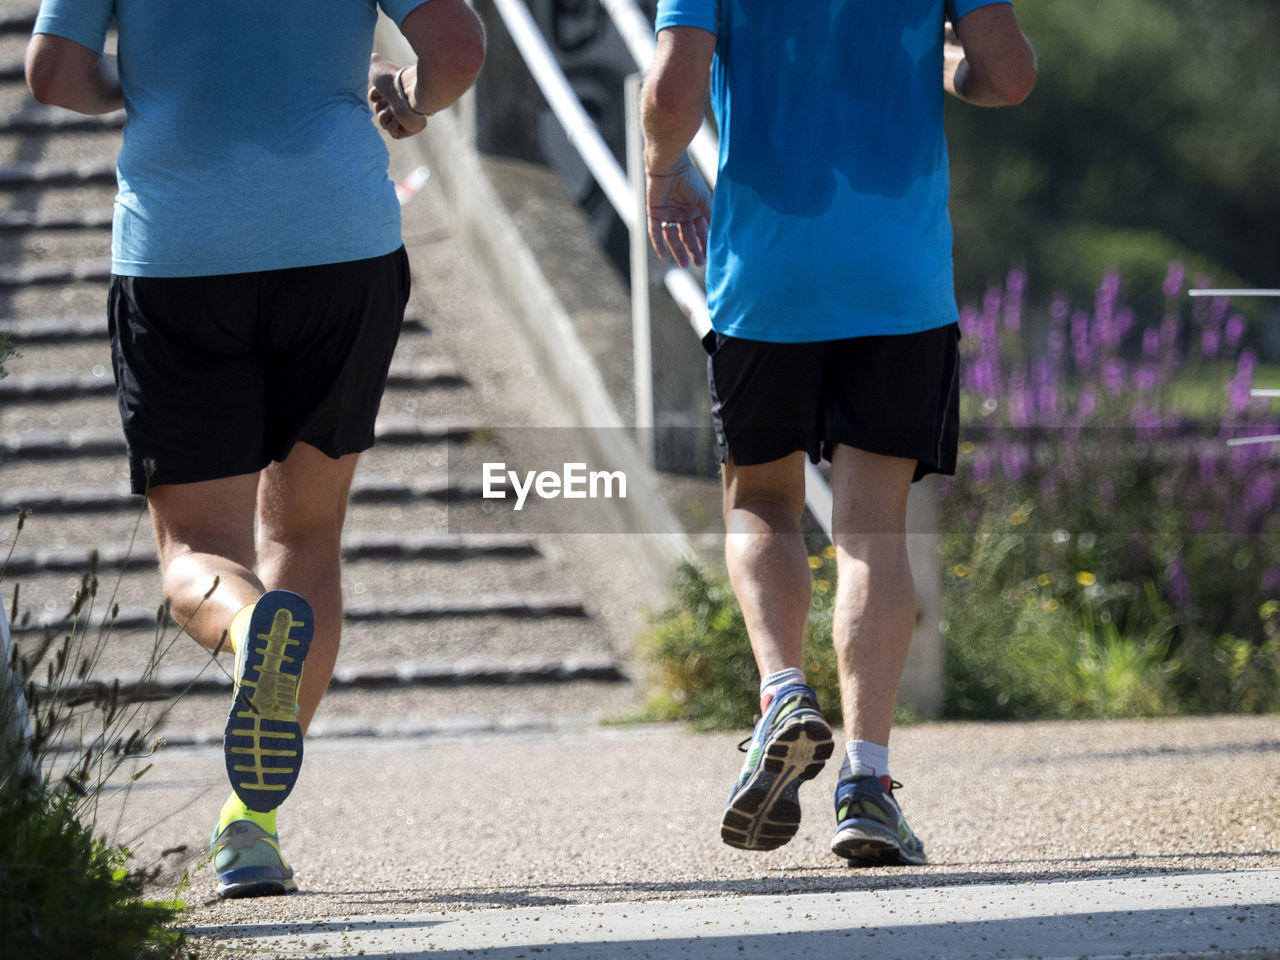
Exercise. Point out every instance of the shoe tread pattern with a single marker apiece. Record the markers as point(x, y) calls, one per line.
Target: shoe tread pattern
point(262, 742)
point(764, 813)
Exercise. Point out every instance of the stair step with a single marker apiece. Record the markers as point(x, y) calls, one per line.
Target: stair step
point(536, 606)
point(50, 386)
point(18, 23)
point(366, 545)
point(100, 499)
point(26, 175)
point(32, 331)
point(170, 682)
point(46, 274)
point(103, 442)
point(50, 120)
point(15, 221)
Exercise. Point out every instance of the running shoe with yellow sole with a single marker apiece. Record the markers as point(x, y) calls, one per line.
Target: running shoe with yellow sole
point(789, 745)
point(249, 862)
point(262, 743)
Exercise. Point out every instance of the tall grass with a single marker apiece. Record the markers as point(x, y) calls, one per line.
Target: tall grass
point(65, 891)
point(1104, 551)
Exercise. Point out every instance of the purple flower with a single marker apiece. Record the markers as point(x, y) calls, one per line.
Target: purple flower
point(1173, 279)
point(981, 468)
point(1113, 376)
point(1210, 342)
point(1019, 408)
point(1124, 323)
point(1147, 377)
point(1150, 342)
point(1088, 403)
point(1169, 330)
point(1057, 346)
point(1014, 286)
point(1238, 386)
point(1014, 460)
point(1108, 294)
point(1208, 469)
point(1259, 494)
point(983, 377)
point(1047, 402)
point(1081, 347)
point(1234, 330)
point(1218, 309)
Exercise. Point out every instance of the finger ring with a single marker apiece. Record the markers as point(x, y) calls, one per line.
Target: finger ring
point(670, 223)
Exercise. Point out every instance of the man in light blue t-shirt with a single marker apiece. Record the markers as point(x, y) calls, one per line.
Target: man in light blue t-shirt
point(829, 281)
point(258, 288)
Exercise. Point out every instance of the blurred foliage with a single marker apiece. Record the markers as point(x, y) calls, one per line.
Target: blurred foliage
point(699, 658)
point(1151, 136)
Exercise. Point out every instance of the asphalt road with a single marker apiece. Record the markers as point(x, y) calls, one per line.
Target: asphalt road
point(1052, 839)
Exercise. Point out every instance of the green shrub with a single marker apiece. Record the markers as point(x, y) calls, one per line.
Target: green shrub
point(702, 669)
point(65, 892)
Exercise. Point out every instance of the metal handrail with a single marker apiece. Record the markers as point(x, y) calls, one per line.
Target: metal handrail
point(585, 137)
point(1233, 293)
point(582, 132)
point(637, 34)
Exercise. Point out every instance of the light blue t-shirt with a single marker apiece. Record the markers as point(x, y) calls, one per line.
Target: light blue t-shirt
point(249, 143)
point(830, 213)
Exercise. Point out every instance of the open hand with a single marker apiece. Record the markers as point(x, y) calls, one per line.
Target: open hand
point(679, 214)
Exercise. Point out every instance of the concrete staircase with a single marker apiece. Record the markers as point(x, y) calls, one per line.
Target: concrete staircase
point(447, 629)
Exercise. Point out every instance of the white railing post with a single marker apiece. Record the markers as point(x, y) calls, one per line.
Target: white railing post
point(641, 336)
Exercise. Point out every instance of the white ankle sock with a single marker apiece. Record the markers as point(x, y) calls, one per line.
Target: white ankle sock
point(862, 758)
point(769, 685)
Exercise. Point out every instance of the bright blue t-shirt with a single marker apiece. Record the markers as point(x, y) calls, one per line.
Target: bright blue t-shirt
point(249, 143)
point(830, 213)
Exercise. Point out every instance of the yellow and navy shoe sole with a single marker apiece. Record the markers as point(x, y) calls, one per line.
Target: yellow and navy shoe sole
point(764, 812)
point(262, 743)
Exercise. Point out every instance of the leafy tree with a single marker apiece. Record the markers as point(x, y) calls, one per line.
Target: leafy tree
point(1151, 136)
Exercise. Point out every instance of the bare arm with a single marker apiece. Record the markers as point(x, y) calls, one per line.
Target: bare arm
point(63, 73)
point(988, 61)
point(448, 38)
point(671, 110)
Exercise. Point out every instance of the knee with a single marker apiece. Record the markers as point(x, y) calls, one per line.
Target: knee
point(778, 511)
point(318, 535)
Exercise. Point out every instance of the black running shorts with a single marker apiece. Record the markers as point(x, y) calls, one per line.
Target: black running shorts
point(218, 376)
point(892, 395)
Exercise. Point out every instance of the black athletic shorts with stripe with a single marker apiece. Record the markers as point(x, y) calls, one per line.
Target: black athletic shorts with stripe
point(218, 376)
point(894, 395)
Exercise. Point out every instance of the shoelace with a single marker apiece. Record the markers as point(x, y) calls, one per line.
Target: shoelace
point(742, 747)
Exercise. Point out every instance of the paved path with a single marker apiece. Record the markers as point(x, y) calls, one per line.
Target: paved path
point(1199, 915)
point(1051, 839)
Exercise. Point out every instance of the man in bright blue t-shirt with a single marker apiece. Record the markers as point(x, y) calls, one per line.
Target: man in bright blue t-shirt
point(829, 281)
point(258, 288)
